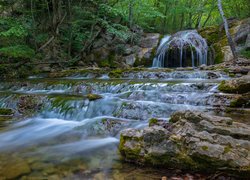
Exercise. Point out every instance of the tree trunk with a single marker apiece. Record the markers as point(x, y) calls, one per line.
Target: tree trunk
point(190, 15)
point(131, 13)
point(165, 19)
point(229, 37)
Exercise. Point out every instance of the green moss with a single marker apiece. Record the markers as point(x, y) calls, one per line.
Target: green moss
point(66, 73)
point(129, 153)
point(93, 97)
point(124, 104)
point(245, 54)
point(241, 88)
point(242, 101)
point(117, 73)
point(219, 56)
point(62, 102)
point(229, 123)
point(211, 34)
point(6, 112)
point(204, 148)
point(232, 75)
point(104, 120)
point(104, 63)
point(227, 149)
point(109, 62)
point(153, 122)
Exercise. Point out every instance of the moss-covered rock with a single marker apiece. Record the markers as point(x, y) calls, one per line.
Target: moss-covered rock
point(93, 97)
point(6, 112)
point(117, 73)
point(193, 140)
point(14, 168)
point(240, 85)
point(242, 101)
point(153, 122)
point(217, 40)
point(30, 104)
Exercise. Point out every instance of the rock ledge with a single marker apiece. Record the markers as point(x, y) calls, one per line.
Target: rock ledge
point(191, 140)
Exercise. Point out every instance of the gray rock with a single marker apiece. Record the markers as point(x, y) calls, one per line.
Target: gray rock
point(192, 140)
point(243, 31)
point(150, 40)
point(130, 60)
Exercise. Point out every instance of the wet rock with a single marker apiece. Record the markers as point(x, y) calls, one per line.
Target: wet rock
point(203, 67)
point(244, 69)
point(212, 75)
point(107, 126)
point(14, 168)
point(29, 104)
point(159, 122)
point(193, 140)
point(239, 85)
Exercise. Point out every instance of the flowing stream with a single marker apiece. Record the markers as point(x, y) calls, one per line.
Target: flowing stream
point(72, 137)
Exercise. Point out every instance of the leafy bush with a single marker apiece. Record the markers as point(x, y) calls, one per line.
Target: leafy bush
point(245, 54)
point(19, 51)
point(12, 28)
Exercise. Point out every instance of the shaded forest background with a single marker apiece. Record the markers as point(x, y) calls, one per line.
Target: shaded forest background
point(65, 30)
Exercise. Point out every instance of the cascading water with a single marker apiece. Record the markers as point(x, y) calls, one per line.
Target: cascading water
point(185, 48)
point(72, 137)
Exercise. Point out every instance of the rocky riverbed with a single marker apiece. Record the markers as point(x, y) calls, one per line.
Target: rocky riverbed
point(68, 124)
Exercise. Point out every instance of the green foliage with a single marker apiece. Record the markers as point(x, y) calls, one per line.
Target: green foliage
point(245, 53)
point(74, 26)
point(12, 28)
point(19, 51)
point(18, 31)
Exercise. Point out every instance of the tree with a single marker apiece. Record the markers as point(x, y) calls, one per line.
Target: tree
point(229, 37)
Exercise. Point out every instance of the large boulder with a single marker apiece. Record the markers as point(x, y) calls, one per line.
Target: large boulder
point(191, 140)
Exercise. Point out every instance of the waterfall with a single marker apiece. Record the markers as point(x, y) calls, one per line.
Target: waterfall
point(179, 50)
point(159, 62)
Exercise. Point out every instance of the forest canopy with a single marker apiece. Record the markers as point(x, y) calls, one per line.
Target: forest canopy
point(68, 28)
